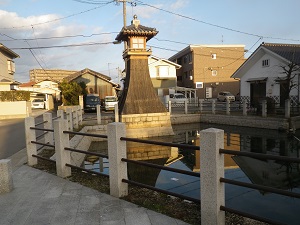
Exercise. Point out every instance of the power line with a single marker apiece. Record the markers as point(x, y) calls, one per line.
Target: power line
point(58, 19)
point(57, 37)
point(215, 25)
point(64, 46)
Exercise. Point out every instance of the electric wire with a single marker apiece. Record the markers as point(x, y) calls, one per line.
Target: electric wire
point(215, 25)
point(57, 19)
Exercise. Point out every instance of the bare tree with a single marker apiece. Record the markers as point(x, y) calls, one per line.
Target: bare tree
point(288, 82)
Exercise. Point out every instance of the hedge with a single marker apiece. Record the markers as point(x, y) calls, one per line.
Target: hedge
point(11, 96)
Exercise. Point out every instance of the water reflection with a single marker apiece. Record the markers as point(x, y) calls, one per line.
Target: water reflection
point(264, 172)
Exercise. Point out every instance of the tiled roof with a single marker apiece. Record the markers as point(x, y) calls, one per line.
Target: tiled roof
point(28, 84)
point(136, 29)
point(291, 52)
point(84, 71)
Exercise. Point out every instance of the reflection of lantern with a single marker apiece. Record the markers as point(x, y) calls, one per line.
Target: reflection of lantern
point(138, 96)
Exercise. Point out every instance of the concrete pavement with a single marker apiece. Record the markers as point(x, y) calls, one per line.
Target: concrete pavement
point(40, 198)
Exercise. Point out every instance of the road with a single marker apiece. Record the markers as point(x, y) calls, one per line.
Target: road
point(12, 135)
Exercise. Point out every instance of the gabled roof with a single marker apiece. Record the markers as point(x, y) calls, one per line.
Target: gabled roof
point(166, 61)
point(285, 52)
point(8, 51)
point(4, 80)
point(92, 72)
point(291, 52)
point(28, 84)
point(85, 71)
point(136, 29)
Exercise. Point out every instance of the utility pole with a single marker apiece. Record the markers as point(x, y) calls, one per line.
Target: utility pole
point(124, 17)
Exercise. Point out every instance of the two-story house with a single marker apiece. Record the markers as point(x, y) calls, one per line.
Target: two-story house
point(7, 68)
point(208, 68)
point(163, 75)
point(264, 74)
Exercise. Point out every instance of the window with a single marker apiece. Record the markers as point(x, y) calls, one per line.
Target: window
point(199, 84)
point(179, 61)
point(265, 63)
point(214, 56)
point(190, 57)
point(138, 43)
point(163, 71)
point(11, 66)
point(214, 73)
point(179, 78)
point(185, 59)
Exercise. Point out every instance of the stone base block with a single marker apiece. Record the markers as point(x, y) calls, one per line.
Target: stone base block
point(148, 124)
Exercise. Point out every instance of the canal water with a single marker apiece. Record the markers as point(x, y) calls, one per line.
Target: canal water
point(272, 173)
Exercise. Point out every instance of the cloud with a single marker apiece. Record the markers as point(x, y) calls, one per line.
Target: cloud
point(179, 4)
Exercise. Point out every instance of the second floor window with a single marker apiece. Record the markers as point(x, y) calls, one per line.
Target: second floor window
point(11, 66)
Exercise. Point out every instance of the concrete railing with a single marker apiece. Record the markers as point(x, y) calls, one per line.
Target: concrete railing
point(212, 164)
point(227, 108)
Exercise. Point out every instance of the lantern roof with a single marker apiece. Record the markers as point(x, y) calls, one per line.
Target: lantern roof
point(136, 29)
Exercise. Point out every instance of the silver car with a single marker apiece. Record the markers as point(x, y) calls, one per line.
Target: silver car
point(225, 96)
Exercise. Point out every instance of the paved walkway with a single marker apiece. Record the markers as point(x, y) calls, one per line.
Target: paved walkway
point(40, 198)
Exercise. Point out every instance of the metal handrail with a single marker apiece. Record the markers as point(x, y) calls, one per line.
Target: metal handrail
point(44, 158)
point(44, 144)
point(86, 170)
point(85, 134)
point(40, 123)
point(161, 167)
point(86, 152)
point(161, 190)
point(187, 147)
point(261, 187)
point(54, 118)
point(41, 135)
point(44, 129)
point(260, 155)
point(248, 215)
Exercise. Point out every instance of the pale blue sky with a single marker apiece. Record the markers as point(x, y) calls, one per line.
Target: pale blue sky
point(179, 22)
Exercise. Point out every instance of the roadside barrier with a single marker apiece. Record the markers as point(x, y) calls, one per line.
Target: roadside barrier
point(212, 180)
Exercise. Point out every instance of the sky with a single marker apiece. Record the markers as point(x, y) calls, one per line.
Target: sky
point(79, 34)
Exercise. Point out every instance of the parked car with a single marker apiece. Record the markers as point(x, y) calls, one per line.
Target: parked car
point(110, 102)
point(178, 98)
point(90, 102)
point(225, 96)
point(38, 103)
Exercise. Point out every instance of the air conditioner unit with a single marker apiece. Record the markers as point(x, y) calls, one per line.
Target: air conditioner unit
point(199, 84)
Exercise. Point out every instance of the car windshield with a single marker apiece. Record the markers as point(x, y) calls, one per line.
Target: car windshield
point(179, 96)
point(93, 100)
point(110, 99)
point(38, 100)
point(228, 94)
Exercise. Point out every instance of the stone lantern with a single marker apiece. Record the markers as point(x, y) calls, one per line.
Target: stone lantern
point(139, 100)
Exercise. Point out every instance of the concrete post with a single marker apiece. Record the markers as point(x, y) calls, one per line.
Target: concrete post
point(264, 108)
point(170, 106)
point(244, 108)
point(227, 107)
point(81, 101)
point(70, 118)
point(79, 110)
point(212, 169)
point(201, 104)
point(185, 107)
point(30, 136)
point(76, 120)
point(98, 109)
point(116, 113)
point(6, 181)
point(213, 106)
point(287, 109)
point(60, 113)
point(61, 142)
point(117, 151)
point(49, 137)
